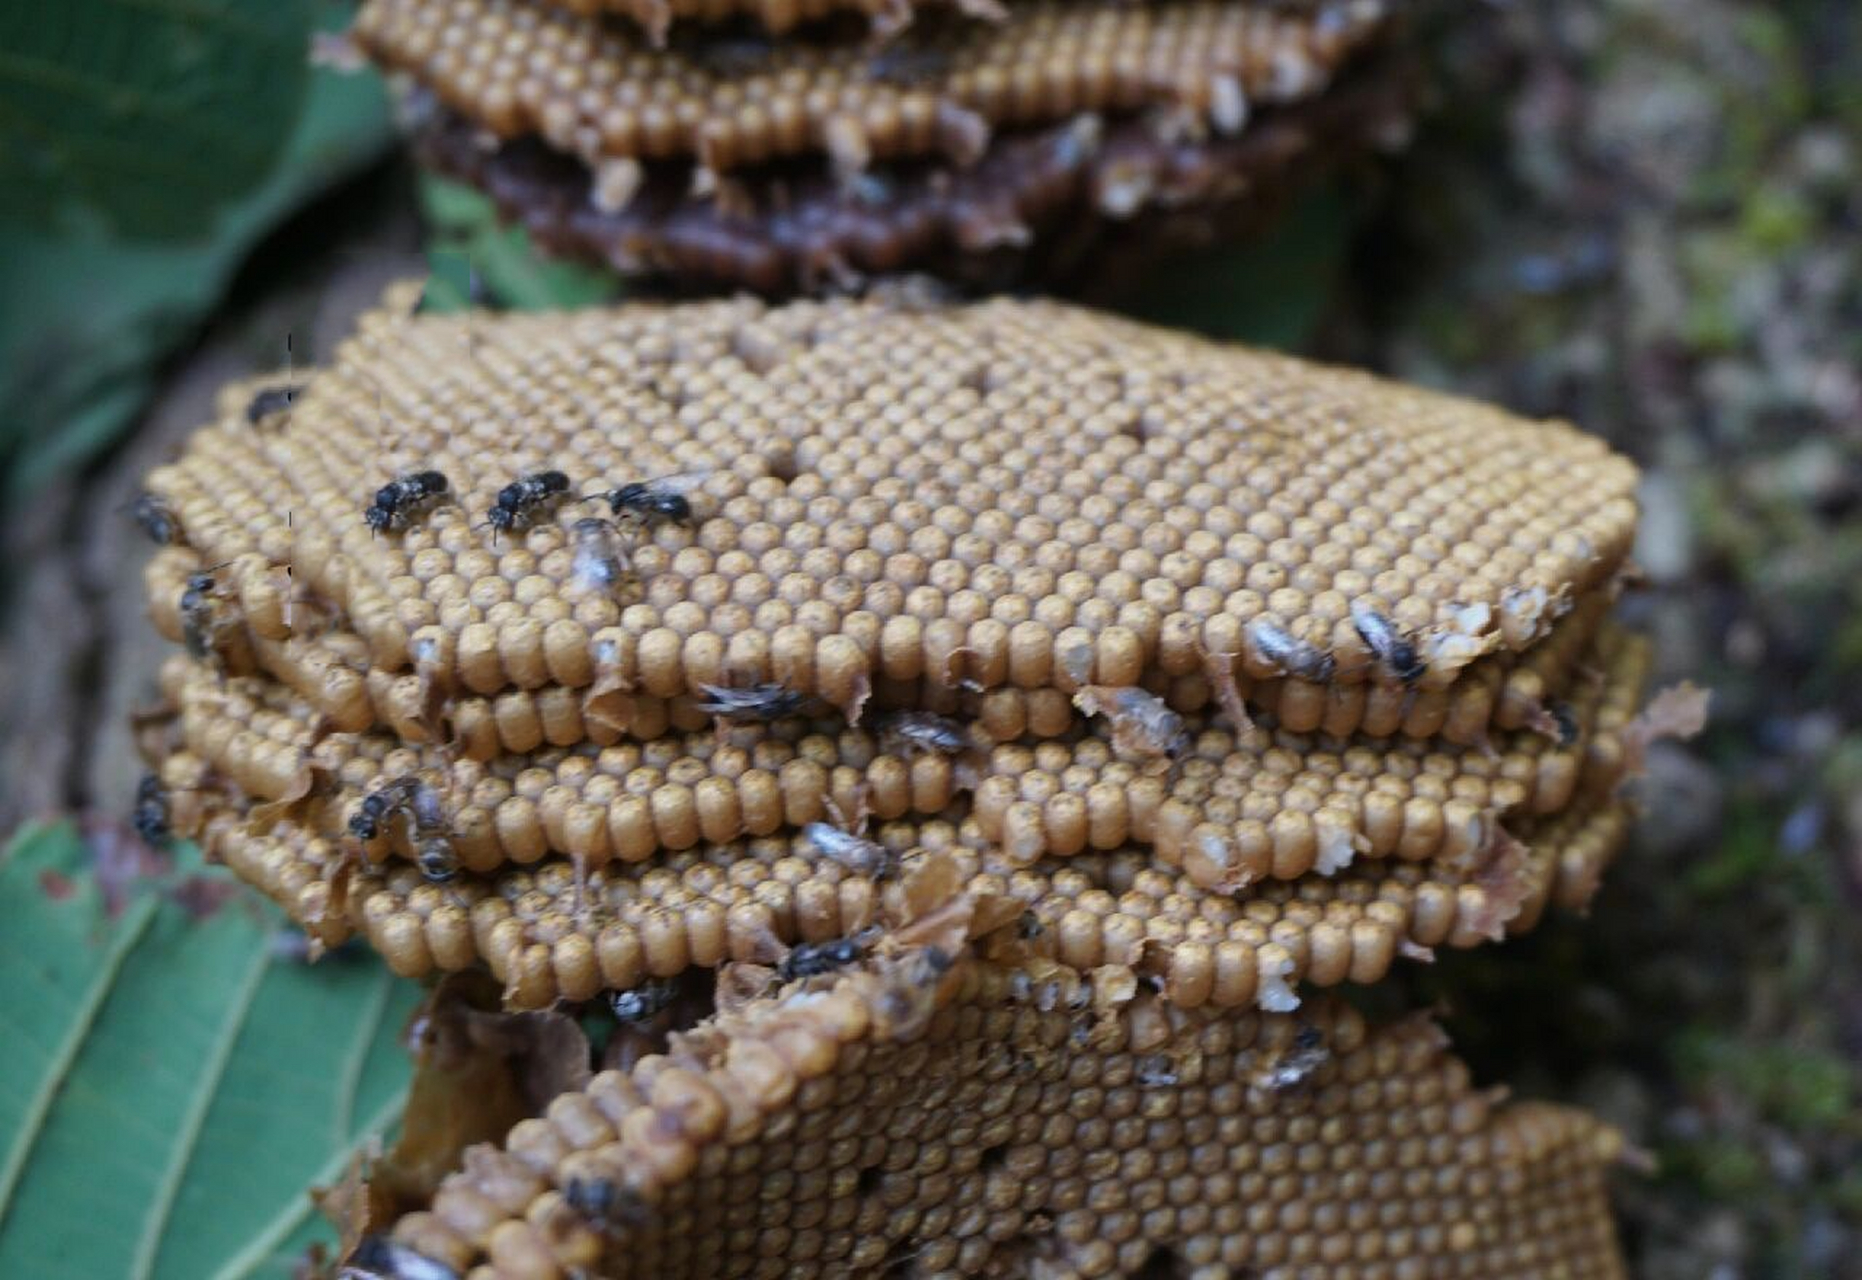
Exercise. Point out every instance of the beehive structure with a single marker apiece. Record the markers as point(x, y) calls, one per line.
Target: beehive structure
point(950, 649)
point(971, 140)
point(981, 1121)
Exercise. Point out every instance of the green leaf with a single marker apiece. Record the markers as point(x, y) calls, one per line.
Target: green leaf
point(172, 1087)
point(144, 115)
point(1271, 292)
point(468, 241)
point(87, 316)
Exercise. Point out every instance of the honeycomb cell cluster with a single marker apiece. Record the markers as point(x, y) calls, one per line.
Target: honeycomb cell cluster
point(1022, 712)
point(790, 146)
point(983, 1121)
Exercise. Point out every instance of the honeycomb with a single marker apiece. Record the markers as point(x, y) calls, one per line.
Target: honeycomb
point(600, 93)
point(908, 1119)
point(547, 937)
point(887, 17)
point(1234, 807)
point(330, 670)
point(1058, 203)
point(1016, 715)
point(887, 497)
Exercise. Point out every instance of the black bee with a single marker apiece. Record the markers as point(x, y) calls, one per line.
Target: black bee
point(202, 620)
point(601, 1203)
point(1293, 1068)
point(661, 500)
point(268, 401)
point(1294, 656)
point(526, 500)
point(151, 816)
point(436, 859)
point(920, 733)
point(1388, 645)
point(403, 499)
point(157, 518)
point(1567, 721)
point(756, 703)
point(379, 1258)
point(645, 1001)
point(858, 854)
point(407, 794)
point(811, 958)
point(425, 811)
point(598, 563)
point(733, 52)
point(908, 66)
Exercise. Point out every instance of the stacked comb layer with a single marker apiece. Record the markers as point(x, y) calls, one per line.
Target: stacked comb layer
point(981, 1121)
point(608, 648)
point(977, 142)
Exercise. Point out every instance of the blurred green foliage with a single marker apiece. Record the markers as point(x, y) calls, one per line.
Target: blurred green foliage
point(144, 149)
point(473, 258)
point(173, 1082)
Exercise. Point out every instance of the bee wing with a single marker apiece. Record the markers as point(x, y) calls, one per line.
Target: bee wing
point(682, 483)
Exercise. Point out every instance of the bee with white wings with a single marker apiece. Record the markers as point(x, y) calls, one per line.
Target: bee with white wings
point(657, 501)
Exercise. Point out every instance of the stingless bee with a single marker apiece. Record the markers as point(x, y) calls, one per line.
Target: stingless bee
point(405, 499)
point(644, 1002)
point(379, 1258)
point(921, 733)
point(268, 401)
point(854, 852)
point(598, 562)
point(151, 814)
point(808, 959)
point(157, 519)
point(527, 500)
point(1388, 645)
point(751, 705)
point(1294, 656)
point(206, 613)
point(602, 1204)
point(655, 501)
point(421, 804)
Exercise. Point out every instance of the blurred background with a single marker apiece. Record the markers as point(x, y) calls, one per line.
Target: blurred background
point(1644, 215)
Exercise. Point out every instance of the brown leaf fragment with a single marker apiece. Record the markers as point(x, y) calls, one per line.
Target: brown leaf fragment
point(1678, 712)
point(1502, 876)
point(1220, 669)
point(308, 781)
point(741, 982)
point(119, 860)
point(854, 705)
point(477, 1072)
point(346, 1204)
point(203, 896)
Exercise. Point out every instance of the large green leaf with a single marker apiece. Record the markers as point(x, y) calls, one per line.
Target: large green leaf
point(171, 1086)
point(144, 115)
point(87, 315)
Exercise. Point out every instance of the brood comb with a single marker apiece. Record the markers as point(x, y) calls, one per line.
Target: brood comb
point(889, 500)
point(1071, 646)
point(920, 1120)
point(981, 151)
point(594, 91)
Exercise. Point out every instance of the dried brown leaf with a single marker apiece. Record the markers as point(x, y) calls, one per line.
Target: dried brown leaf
point(1679, 712)
point(477, 1072)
